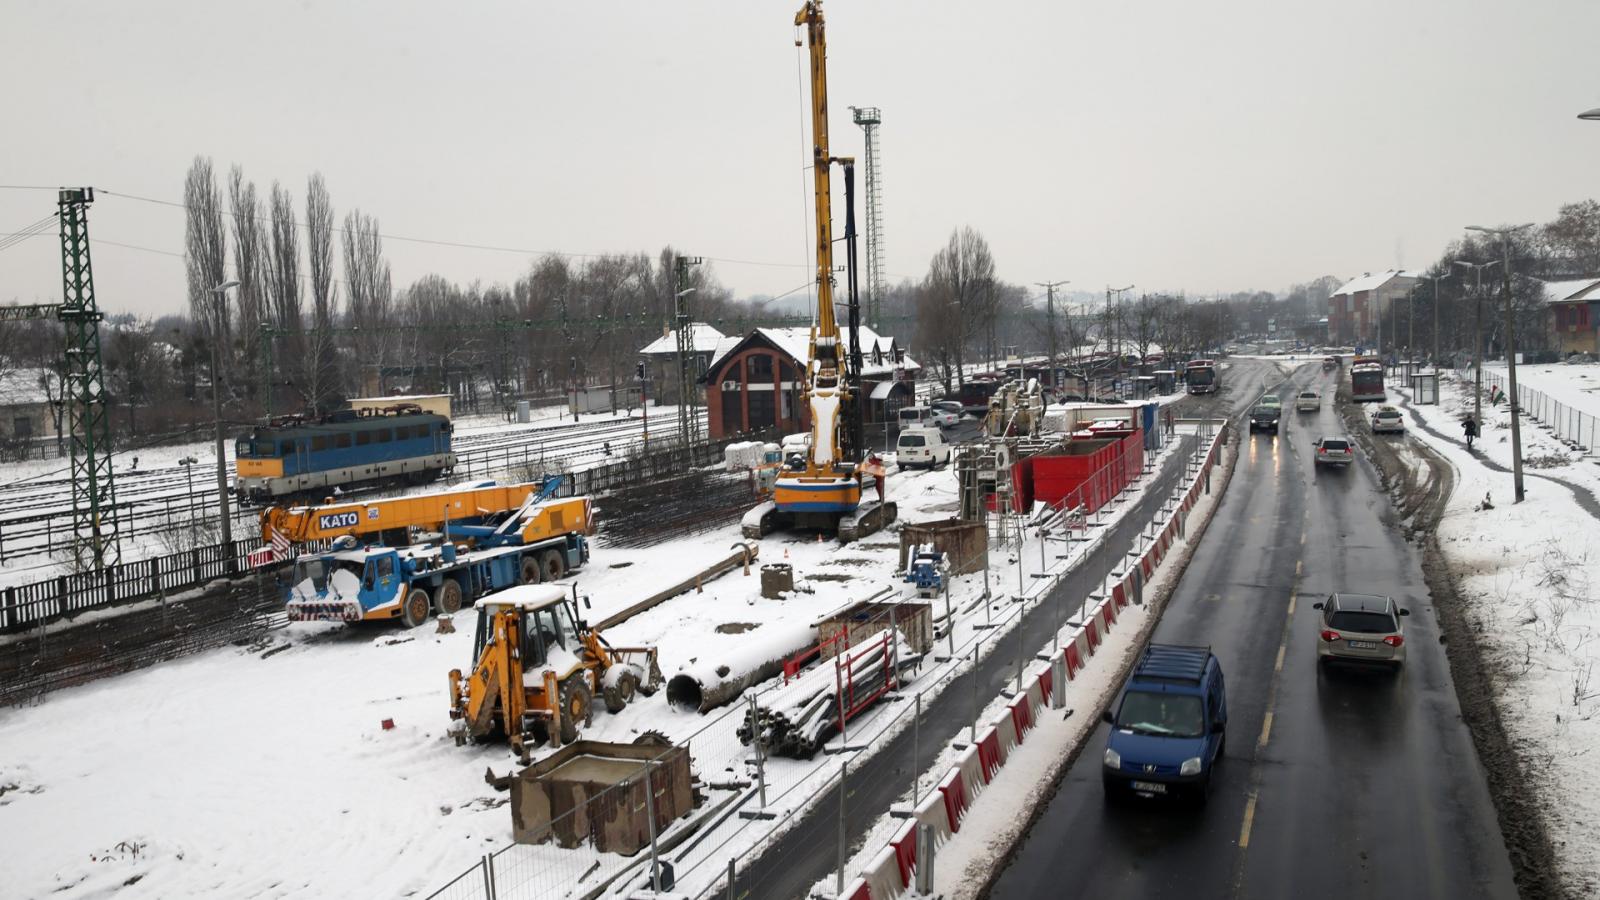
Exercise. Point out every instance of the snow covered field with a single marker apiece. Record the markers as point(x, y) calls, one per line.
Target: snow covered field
point(1530, 575)
point(266, 771)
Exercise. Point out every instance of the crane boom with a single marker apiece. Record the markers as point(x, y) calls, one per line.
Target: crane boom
point(825, 388)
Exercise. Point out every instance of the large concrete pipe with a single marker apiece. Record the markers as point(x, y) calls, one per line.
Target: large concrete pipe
point(724, 670)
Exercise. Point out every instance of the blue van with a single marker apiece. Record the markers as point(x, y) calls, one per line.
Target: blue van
point(1169, 726)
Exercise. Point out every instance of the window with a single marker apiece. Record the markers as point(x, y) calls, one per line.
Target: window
point(913, 440)
point(1360, 622)
point(286, 448)
point(342, 441)
point(319, 443)
point(1149, 712)
point(363, 438)
point(382, 436)
point(385, 566)
point(22, 428)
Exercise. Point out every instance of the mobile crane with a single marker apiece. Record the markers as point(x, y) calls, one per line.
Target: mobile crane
point(825, 491)
point(435, 552)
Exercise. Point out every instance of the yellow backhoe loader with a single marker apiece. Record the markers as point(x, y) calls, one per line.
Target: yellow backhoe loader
point(537, 669)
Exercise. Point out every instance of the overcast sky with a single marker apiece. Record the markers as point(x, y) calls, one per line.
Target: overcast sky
point(1173, 144)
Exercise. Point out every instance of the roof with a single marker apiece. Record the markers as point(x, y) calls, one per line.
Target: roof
point(703, 337)
point(1362, 602)
point(796, 342)
point(1574, 290)
point(1172, 662)
point(527, 596)
point(1372, 280)
point(20, 387)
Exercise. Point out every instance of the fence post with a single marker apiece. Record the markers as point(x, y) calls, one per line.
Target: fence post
point(488, 876)
point(10, 610)
point(844, 772)
point(733, 878)
point(916, 755)
point(650, 813)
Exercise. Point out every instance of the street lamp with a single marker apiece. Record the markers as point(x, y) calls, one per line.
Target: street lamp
point(220, 295)
point(1111, 323)
point(188, 463)
point(1436, 280)
point(1511, 348)
point(1477, 338)
point(1592, 115)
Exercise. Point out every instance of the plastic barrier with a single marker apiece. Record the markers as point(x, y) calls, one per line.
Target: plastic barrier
point(905, 852)
point(1091, 630)
point(857, 890)
point(1120, 594)
point(1074, 655)
point(1006, 729)
point(1021, 716)
point(882, 876)
point(1108, 614)
point(989, 753)
point(1045, 686)
point(953, 797)
point(973, 779)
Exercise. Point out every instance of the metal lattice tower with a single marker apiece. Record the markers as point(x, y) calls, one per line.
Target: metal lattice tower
point(688, 418)
point(94, 494)
point(869, 117)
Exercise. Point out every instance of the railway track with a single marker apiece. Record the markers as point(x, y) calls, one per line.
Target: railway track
point(40, 521)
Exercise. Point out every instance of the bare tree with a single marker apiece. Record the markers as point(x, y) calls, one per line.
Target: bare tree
point(322, 360)
point(370, 291)
point(961, 285)
point(249, 266)
point(206, 255)
point(283, 280)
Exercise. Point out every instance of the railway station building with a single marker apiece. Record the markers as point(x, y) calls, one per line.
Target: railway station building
point(755, 382)
point(1574, 315)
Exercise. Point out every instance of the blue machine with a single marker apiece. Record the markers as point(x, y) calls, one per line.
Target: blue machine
point(926, 571)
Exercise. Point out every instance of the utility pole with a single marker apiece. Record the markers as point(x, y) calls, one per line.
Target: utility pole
point(1050, 321)
point(1436, 280)
point(1477, 340)
point(219, 297)
point(1111, 321)
point(687, 422)
point(1511, 350)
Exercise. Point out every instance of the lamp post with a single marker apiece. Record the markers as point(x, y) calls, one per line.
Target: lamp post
point(1511, 348)
point(220, 298)
point(1477, 338)
point(1111, 322)
point(188, 470)
point(1436, 280)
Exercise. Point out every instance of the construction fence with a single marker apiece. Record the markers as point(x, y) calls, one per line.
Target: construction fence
point(744, 789)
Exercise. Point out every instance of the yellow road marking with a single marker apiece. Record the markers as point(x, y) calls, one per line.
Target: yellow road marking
point(1249, 819)
point(1278, 666)
point(1292, 595)
point(1299, 567)
point(1266, 730)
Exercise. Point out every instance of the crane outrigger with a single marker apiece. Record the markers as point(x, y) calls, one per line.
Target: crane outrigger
point(826, 491)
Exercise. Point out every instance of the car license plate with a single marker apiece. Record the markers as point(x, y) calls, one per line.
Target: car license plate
point(1149, 787)
point(1362, 645)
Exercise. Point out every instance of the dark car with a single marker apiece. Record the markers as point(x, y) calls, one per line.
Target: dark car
point(1265, 418)
point(1169, 727)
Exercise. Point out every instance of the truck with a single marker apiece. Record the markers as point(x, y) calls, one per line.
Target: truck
point(540, 541)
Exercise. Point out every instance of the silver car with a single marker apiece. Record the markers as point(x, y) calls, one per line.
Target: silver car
point(1308, 401)
point(1389, 419)
point(1334, 451)
point(1361, 628)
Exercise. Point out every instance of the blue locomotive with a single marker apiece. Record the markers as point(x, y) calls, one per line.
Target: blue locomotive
point(296, 456)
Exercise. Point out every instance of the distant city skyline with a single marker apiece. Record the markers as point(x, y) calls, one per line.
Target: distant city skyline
point(1208, 149)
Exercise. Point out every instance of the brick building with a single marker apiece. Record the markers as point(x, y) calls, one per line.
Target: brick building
point(1574, 315)
point(1353, 309)
point(757, 381)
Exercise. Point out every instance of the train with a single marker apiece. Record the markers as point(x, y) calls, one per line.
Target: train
point(295, 456)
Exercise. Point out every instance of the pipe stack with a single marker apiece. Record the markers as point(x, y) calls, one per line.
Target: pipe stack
point(797, 719)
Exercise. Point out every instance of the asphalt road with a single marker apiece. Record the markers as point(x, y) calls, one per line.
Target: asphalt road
point(1360, 784)
point(808, 851)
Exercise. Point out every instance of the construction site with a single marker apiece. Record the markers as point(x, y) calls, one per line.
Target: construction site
point(553, 658)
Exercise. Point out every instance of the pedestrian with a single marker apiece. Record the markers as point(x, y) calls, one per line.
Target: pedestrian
point(1470, 427)
point(1171, 426)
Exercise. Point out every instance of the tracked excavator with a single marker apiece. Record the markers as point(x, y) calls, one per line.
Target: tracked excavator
point(824, 490)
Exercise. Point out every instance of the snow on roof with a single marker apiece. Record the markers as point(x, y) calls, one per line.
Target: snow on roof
point(704, 338)
point(796, 342)
point(1575, 289)
point(20, 387)
point(1372, 280)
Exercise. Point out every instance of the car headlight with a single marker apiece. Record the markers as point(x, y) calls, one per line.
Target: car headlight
point(1190, 766)
point(1113, 759)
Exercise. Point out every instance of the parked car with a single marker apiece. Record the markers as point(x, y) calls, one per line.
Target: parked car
point(1265, 418)
point(1308, 401)
point(1388, 419)
point(1169, 726)
point(921, 445)
point(1334, 451)
point(912, 416)
point(1361, 628)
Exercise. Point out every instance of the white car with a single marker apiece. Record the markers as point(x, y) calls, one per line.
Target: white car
point(913, 416)
point(1388, 419)
point(921, 446)
point(1308, 401)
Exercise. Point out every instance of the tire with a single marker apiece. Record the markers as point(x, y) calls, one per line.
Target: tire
point(531, 574)
point(577, 705)
point(618, 696)
point(414, 611)
point(447, 599)
point(553, 565)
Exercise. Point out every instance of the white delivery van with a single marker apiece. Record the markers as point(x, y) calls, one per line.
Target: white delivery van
point(922, 446)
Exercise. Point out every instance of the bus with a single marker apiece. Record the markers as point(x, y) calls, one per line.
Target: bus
point(1366, 380)
point(1202, 376)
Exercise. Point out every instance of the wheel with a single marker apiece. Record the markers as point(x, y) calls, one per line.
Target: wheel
point(447, 600)
point(577, 705)
point(530, 570)
point(415, 610)
point(619, 695)
point(553, 565)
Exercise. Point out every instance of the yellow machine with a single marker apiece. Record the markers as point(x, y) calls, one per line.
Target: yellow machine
point(537, 669)
point(826, 493)
point(391, 521)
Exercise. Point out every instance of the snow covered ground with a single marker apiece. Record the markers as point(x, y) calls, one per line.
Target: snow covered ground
point(1530, 576)
point(267, 771)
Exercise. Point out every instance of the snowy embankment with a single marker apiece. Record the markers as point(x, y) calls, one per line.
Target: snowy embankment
point(1529, 576)
point(269, 771)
